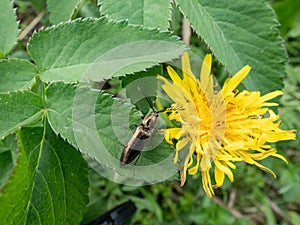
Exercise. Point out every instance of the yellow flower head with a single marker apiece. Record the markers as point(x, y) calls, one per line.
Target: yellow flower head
point(220, 127)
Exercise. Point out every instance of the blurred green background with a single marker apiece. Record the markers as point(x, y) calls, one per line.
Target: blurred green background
point(255, 197)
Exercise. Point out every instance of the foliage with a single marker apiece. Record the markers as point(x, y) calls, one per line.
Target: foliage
point(59, 112)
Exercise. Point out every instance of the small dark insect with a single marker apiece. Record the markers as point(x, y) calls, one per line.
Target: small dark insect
point(136, 142)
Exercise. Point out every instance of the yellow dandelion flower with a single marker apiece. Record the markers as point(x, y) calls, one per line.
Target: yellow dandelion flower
point(220, 127)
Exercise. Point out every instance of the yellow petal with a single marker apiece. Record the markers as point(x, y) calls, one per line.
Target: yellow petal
point(224, 169)
point(232, 83)
point(219, 177)
point(195, 168)
point(271, 95)
point(172, 133)
point(175, 157)
point(206, 182)
point(206, 68)
point(205, 77)
point(182, 176)
point(265, 169)
point(205, 163)
point(174, 116)
point(174, 76)
point(182, 143)
point(162, 78)
point(281, 157)
point(186, 67)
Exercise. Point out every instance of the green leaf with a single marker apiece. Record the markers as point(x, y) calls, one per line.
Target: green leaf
point(61, 10)
point(95, 49)
point(49, 183)
point(150, 72)
point(149, 13)
point(294, 216)
point(6, 164)
point(16, 74)
point(8, 27)
point(289, 179)
point(89, 9)
point(8, 148)
point(239, 33)
point(18, 109)
point(98, 125)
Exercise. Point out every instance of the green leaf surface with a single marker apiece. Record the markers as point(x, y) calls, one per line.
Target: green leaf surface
point(8, 148)
point(239, 33)
point(294, 216)
point(95, 49)
point(6, 164)
point(16, 75)
point(98, 125)
point(155, 14)
point(18, 109)
point(49, 183)
point(89, 9)
point(8, 26)
point(151, 72)
point(61, 10)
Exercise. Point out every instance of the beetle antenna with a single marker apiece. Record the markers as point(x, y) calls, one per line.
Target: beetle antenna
point(148, 100)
